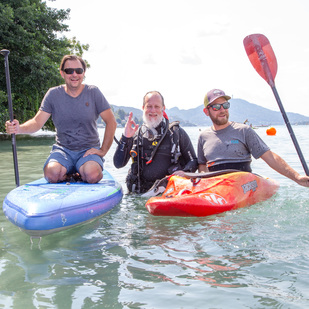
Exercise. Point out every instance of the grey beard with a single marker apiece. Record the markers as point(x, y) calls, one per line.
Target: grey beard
point(152, 124)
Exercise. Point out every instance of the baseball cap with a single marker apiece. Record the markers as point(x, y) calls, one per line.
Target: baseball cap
point(213, 95)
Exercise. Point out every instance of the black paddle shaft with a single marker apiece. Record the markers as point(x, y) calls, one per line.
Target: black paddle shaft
point(290, 129)
point(5, 53)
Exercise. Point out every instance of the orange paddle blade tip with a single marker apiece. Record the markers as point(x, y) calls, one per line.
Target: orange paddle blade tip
point(261, 56)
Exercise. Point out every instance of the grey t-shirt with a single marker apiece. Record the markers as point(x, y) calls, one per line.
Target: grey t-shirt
point(75, 118)
point(234, 144)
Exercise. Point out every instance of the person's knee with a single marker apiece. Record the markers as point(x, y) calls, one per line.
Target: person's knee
point(92, 177)
point(54, 172)
point(91, 172)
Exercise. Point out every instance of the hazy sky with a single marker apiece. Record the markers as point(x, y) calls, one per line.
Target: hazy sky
point(183, 48)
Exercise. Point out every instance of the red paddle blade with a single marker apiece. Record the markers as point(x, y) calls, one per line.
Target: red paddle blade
point(261, 56)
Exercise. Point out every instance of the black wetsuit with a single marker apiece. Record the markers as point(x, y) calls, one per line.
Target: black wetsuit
point(164, 162)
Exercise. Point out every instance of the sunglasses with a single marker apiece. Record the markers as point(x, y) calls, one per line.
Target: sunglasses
point(71, 71)
point(216, 107)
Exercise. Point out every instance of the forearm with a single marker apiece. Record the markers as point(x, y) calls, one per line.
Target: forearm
point(30, 126)
point(108, 138)
point(122, 153)
point(191, 165)
point(279, 165)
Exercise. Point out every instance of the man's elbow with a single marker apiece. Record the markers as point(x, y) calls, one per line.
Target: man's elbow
point(111, 124)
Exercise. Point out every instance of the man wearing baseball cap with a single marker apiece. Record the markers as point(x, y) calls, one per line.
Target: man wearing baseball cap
point(230, 145)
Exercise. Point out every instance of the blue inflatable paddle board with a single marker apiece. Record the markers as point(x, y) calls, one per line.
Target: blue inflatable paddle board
point(40, 208)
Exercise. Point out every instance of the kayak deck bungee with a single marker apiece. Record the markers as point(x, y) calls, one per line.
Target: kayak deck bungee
point(207, 196)
point(40, 208)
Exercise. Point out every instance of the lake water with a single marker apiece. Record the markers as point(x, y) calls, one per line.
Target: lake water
point(256, 257)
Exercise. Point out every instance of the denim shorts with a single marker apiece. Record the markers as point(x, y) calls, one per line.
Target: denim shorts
point(71, 160)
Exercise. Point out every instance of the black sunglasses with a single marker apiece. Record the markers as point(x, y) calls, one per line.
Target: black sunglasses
point(216, 107)
point(71, 70)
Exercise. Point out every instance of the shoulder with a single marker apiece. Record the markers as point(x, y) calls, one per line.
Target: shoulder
point(243, 130)
point(93, 91)
point(97, 94)
point(55, 90)
point(91, 88)
point(239, 126)
point(177, 129)
point(173, 124)
point(207, 131)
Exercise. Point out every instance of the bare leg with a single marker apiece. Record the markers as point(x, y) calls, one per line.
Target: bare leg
point(54, 172)
point(91, 172)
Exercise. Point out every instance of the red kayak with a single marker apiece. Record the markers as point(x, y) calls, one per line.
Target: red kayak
point(211, 193)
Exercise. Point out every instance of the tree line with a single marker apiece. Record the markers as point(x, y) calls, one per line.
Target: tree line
point(34, 35)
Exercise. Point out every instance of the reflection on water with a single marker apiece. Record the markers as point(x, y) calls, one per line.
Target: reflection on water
point(255, 257)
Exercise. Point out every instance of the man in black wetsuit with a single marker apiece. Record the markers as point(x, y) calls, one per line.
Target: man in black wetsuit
point(158, 148)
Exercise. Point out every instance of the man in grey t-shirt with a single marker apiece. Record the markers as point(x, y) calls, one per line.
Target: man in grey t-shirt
point(75, 108)
point(229, 145)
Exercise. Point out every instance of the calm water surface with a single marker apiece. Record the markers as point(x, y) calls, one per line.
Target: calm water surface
point(257, 257)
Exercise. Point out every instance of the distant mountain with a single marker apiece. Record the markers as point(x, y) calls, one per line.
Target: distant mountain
point(240, 111)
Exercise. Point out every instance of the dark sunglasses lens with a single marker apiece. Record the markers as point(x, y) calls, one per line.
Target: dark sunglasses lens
point(71, 71)
point(68, 71)
point(226, 105)
point(79, 71)
point(216, 107)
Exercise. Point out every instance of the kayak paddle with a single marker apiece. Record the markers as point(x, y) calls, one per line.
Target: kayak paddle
point(5, 53)
point(263, 59)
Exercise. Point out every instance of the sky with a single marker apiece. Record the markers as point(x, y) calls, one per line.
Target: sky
point(184, 48)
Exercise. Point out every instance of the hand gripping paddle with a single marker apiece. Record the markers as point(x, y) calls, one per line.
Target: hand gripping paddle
point(263, 59)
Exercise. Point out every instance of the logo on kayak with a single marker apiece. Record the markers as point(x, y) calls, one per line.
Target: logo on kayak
point(213, 198)
point(252, 185)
